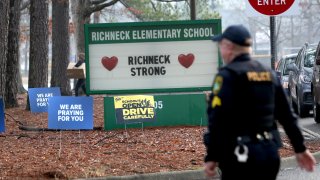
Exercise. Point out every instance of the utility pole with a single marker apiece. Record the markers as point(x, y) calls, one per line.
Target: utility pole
point(193, 9)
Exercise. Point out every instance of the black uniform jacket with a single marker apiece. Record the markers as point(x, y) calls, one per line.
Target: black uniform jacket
point(246, 99)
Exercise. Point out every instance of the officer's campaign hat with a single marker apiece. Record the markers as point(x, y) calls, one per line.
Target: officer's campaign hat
point(237, 34)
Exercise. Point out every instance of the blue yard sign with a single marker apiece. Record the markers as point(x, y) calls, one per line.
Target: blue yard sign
point(70, 113)
point(2, 124)
point(39, 97)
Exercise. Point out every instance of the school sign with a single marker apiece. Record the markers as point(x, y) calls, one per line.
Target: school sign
point(173, 56)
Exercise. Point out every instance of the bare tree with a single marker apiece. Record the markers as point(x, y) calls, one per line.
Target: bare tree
point(171, 0)
point(24, 4)
point(13, 65)
point(24, 37)
point(83, 10)
point(38, 60)
point(4, 23)
point(96, 17)
point(60, 45)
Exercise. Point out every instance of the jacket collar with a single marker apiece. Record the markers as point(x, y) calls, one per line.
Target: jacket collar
point(242, 57)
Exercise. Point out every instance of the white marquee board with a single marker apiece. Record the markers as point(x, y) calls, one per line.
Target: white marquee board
point(139, 57)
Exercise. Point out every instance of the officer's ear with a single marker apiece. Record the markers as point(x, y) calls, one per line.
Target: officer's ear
point(227, 44)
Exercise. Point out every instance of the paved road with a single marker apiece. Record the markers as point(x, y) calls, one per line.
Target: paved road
point(310, 124)
point(298, 174)
point(294, 174)
point(311, 131)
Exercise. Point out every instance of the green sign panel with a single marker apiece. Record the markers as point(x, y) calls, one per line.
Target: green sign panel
point(171, 110)
point(151, 57)
point(153, 32)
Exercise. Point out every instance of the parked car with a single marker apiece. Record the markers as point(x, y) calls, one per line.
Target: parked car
point(300, 76)
point(282, 70)
point(315, 86)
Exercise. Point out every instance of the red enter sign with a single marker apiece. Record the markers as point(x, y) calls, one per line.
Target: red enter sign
point(271, 7)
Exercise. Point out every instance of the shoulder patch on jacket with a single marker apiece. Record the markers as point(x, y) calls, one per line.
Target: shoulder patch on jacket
point(216, 101)
point(217, 85)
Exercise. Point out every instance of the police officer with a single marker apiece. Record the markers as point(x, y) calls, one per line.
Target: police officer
point(246, 99)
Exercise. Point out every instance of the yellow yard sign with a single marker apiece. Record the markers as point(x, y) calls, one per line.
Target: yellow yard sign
point(137, 108)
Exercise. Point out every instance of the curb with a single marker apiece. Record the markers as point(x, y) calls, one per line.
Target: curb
point(190, 174)
point(316, 135)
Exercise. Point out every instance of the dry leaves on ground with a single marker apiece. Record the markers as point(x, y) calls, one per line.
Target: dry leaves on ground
point(96, 153)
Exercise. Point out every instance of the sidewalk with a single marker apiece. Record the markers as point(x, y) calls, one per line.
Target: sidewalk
point(190, 174)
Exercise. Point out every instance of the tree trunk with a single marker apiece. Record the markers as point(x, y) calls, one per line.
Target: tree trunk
point(81, 11)
point(21, 89)
point(60, 46)
point(26, 51)
point(13, 64)
point(4, 23)
point(38, 60)
point(81, 18)
point(96, 17)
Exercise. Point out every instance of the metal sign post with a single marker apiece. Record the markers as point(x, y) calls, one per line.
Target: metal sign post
point(273, 41)
point(192, 9)
point(272, 10)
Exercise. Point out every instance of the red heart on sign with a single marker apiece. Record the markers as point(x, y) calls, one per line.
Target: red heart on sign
point(109, 63)
point(186, 60)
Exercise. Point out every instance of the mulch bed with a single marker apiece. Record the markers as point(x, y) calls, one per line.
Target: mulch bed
point(96, 153)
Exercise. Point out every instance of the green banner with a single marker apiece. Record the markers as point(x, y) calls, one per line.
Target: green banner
point(170, 110)
point(153, 31)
